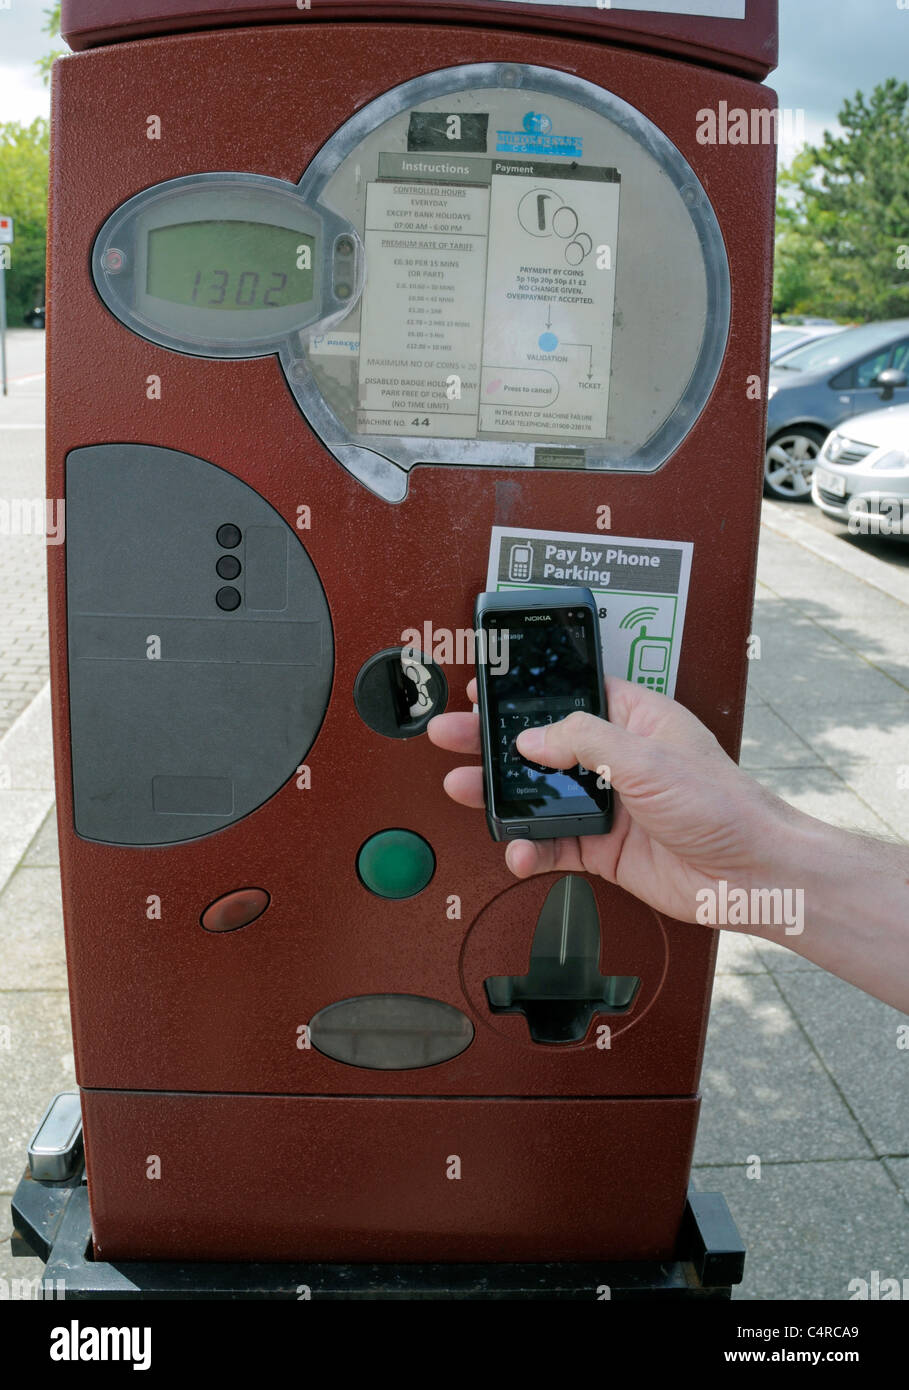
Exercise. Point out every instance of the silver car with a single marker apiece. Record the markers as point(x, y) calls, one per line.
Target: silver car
point(861, 476)
point(813, 389)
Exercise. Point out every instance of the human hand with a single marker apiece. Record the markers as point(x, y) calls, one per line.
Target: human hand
point(688, 816)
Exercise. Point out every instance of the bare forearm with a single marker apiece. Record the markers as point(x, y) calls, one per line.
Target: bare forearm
point(856, 903)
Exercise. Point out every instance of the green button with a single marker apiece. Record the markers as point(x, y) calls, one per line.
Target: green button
point(396, 864)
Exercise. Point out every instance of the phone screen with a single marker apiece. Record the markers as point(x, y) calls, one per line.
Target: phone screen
point(540, 666)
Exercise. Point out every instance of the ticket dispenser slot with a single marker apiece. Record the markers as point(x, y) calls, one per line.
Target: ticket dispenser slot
point(563, 988)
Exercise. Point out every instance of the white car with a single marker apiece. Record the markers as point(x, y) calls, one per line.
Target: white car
point(861, 475)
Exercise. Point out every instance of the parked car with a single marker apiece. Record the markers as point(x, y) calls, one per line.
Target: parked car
point(812, 389)
point(863, 472)
point(786, 337)
point(35, 317)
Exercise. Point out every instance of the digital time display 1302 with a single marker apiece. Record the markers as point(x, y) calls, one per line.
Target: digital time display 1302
point(230, 265)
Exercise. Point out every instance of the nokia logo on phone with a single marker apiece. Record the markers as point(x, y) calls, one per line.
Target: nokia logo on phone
point(538, 617)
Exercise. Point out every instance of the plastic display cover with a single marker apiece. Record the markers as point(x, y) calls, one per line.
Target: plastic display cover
point(509, 267)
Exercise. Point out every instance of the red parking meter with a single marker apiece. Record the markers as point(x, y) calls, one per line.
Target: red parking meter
point(359, 309)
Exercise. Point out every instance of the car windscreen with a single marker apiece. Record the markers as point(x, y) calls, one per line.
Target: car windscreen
point(784, 337)
point(839, 349)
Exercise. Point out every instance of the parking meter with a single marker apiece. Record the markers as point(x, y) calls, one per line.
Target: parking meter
point(358, 309)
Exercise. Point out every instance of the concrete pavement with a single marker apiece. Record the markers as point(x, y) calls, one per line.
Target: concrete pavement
point(23, 579)
point(803, 1071)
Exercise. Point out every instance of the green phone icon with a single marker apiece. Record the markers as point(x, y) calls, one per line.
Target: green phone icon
point(648, 663)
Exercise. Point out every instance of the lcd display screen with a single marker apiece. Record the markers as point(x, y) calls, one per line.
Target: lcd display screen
point(551, 671)
point(231, 265)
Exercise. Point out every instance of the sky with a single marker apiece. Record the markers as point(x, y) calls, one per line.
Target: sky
point(828, 49)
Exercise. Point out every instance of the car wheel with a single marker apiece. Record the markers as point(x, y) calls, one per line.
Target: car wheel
point(789, 462)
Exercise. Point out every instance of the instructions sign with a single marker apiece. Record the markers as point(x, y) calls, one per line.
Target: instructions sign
point(490, 296)
point(423, 309)
point(641, 589)
point(550, 300)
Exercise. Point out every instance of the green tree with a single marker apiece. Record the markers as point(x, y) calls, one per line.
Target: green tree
point(843, 215)
point(23, 196)
point(24, 157)
point(797, 283)
point(52, 27)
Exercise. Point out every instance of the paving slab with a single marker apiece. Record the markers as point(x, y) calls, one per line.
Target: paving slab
point(32, 947)
point(764, 1090)
point(880, 739)
point(858, 615)
point(884, 788)
point(857, 1037)
point(782, 522)
point(809, 1229)
point(26, 751)
point(776, 957)
point(898, 1168)
point(21, 816)
point(44, 849)
point(36, 1061)
point(768, 742)
point(822, 677)
point(23, 557)
point(736, 955)
point(17, 1274)
point(821, 792)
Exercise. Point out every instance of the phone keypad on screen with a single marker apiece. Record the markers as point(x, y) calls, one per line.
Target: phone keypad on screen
point(513, 764)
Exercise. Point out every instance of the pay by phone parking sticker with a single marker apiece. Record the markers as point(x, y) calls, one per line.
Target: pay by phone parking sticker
point(640, 587)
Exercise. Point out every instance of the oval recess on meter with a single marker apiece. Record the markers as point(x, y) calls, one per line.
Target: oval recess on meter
point(391, 1032)
point(226, 264)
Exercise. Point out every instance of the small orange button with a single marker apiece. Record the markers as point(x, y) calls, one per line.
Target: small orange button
point(235, 910)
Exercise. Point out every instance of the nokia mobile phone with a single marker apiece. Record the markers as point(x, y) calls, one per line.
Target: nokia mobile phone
point(538, 660)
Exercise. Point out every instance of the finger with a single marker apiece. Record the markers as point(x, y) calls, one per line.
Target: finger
point(472, 690)
point(583, 738)
point(458, 733)
point(646, 712)
point(465, 785)
point(621, 699)
point(528, 857)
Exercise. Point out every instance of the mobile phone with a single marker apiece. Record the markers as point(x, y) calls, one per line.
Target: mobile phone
point(538, 659)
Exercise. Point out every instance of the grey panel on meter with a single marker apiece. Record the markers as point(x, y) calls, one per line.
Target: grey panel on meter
point(184, 717)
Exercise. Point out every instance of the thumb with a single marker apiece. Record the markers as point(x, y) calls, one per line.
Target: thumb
point(584, 738)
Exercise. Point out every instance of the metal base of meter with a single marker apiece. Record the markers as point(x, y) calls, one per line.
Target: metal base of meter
point(51, 1221)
